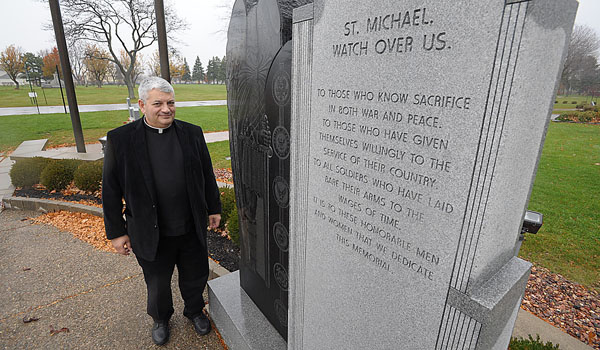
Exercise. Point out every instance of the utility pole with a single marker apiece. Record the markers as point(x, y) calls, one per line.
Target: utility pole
point(61, 43)
point(163, 51)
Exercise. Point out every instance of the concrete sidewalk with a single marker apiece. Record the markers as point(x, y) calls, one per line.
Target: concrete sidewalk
point(97, 108)
point(100, 297)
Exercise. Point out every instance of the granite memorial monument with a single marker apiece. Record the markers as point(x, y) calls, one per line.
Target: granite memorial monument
point(259, 97)
point(416, 130)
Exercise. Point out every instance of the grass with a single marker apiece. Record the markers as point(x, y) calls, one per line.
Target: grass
point(9, 97)
point(531, 344)
point(570, 99)
point(567, 192)
point(219, 152)
point(57, 128)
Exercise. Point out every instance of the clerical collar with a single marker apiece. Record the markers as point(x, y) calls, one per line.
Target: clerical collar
point(158, 130)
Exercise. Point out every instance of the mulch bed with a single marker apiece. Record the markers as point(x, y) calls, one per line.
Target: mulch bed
point(222, 250)
point(75, 197)
point(564, 304)
point(90, 228)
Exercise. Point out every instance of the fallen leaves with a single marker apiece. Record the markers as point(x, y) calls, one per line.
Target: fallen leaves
point(565, 304)
point(56, 331)
point(224, 175)
point(86, 227)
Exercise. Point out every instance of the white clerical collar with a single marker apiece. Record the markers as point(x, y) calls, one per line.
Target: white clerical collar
point(159, 130)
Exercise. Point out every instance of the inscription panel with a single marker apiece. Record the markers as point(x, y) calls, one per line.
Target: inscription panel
point(405, 103)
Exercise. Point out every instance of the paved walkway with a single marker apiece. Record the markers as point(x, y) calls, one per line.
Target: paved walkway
point(100, 297)
point(97, 108)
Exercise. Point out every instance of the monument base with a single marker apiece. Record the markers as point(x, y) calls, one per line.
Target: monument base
point(241, 324)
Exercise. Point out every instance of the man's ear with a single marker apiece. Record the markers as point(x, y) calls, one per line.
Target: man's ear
point(142, 106)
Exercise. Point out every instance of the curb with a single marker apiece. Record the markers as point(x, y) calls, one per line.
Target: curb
point(48, 205)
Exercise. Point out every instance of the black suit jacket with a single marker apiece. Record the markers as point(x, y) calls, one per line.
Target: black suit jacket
point(128, 175)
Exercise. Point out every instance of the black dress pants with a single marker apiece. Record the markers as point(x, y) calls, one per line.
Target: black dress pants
point(192, 264)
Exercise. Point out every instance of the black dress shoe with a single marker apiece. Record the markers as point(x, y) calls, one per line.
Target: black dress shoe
point(160, 332)
point(201, 324)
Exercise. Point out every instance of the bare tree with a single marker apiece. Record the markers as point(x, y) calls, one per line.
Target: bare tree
point(122, 25)
point(11, 60)
point(176, 67)
point(584, 43)
point(78, 67)
point(154, 64)
point(136, 70)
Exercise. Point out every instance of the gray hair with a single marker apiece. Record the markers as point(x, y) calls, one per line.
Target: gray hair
point(157, 83)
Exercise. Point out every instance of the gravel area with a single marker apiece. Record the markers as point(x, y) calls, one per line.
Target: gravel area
point(565, 304)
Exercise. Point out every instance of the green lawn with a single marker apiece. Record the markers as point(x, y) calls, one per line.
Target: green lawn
point(567, 192)
point(57, 128)
point(570, 99)
point(219, 152)
point(9, 97)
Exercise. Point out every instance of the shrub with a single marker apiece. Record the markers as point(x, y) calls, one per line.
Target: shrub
point(531, 344)
point(26, 172)
point(573, 102)
point(579, 107)
point(88, 176)
point(582, 117)
point(233, 226)
point(57, 175)
point(565, 102)
point(555, 101)
point(586, 117)
point(73, 164)
point(227, 204)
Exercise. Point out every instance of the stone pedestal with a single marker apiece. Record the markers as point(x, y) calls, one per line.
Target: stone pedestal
point(241, 324)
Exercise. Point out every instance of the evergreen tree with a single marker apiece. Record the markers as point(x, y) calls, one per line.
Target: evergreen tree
point(198, 72)
point(212, 71)
point(33, 65)
point(186, 71)
point(222, 71)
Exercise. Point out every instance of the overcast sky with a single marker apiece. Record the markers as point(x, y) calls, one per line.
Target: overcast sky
point(205, 37)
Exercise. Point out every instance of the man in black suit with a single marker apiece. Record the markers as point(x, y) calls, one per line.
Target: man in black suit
point(161, 168)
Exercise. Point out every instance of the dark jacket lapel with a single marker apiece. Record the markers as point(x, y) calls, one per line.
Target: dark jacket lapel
point(143, 159)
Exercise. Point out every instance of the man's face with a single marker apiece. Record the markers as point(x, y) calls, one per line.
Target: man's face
point(159, 108)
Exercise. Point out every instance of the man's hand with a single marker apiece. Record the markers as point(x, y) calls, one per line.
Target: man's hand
point(122, 244)
point(214, 221)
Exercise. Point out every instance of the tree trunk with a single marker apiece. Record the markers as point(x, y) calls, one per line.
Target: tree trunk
point(16, 83)
point(130, 87)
